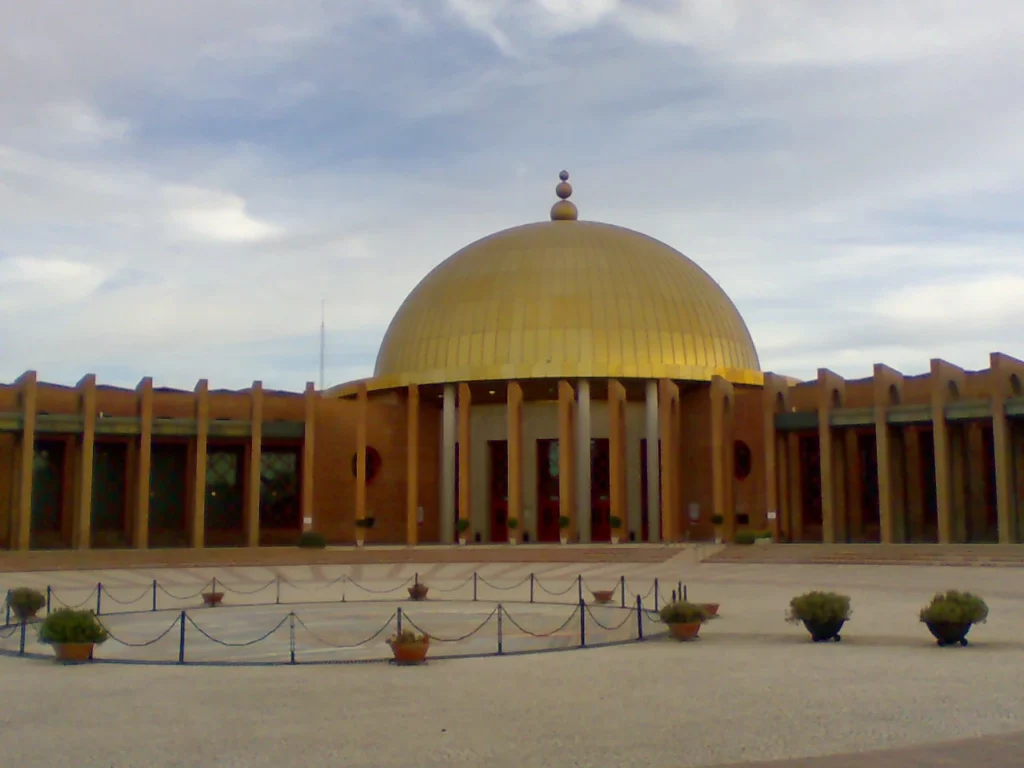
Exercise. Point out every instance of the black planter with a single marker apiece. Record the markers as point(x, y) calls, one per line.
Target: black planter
point(823, 631)
point(949, 633)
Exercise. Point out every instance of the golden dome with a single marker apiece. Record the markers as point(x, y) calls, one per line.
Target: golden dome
point(566, 298)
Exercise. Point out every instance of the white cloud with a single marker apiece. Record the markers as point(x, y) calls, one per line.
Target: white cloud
point(78, 122)
point(216, 216)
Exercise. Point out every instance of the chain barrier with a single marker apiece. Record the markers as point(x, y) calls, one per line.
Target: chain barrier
point(634, 595)
point(319, 587)
point(88, 599)
point(320, 640)
point(630, 616)
point(146, 592)
point(485, 582)
point(522, 629)
point(226, 588)
point(186, 597)
point(405, 583)
point(482, 624)
point(453, 589)
point(227, 644)
point(145, 644)
point(13, 628)
point(574, 585)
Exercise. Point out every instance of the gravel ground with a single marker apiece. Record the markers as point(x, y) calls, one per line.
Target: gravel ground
point(752, 688)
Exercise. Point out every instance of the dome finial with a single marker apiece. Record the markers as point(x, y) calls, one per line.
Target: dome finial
point(563, 210)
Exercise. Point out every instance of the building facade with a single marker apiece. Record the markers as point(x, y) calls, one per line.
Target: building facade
point(564, 369)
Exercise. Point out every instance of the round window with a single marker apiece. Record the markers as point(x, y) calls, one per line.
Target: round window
point(373, 462)
point(743, 460)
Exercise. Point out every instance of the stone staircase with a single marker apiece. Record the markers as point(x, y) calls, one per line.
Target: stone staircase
point(1007, 555)
point(102, 559)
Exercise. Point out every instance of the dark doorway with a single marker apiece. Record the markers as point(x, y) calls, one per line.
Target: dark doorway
point(280, 497)
point(48, 472)
point(225, 495)
point(548, 509)
point(600, 490)
point(810, 490)
point(926, 440)
point(109, 494)
point(867, 447)
point(499, 489)
point(168, 481)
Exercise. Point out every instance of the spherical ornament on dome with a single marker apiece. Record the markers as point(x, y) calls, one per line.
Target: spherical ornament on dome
point(563, 190)
point(564, 175)
point(563, 210)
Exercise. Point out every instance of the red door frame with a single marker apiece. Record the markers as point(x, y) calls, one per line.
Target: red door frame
point(548, 507)
point(498, 450)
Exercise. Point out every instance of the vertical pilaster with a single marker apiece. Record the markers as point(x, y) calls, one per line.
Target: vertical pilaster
point(465, 455)
point(831, 389)
point(310, 400)
point(412, 465)
point(887, 390)
point(668, 412)
point(566, 456)
point(514, 428)
point(653, 462)
point(144, 393)
point(82, 530)
point(947, 381)
point(583, 489)
point(198, 523)
point(617, 455)
point(721, 392)
point(252, 494)
point(362, 416)
point(1002, 368)
point(21, 537)
point(448, 469)
point(773, 398)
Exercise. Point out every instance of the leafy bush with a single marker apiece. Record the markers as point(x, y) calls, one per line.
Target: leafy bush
point(955, 607)
point(717, 519)
point(68, 625)
point(25, 602)
point(615, 521)
point(563, 521)
point(819, 607)
point(683, 612)
point(749, 537)
point(408, 637)
point(312, 540)
point(462, 525)
point(513, 523)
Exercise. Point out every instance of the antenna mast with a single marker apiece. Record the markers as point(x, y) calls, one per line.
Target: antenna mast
point(323, 331)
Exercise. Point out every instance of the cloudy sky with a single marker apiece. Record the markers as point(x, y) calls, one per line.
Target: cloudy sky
point(181, 184)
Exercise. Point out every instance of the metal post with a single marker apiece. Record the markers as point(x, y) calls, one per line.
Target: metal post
point(673, 596)
point(622, 590)
point(500, 650)
point(154, 594)
point(99, 598)
point(583, 624)
point(399, 625)
point(416, 578)
point(579, 584)
point(181, 640)
point(21, 642)
point(531, 587)
point(291, 634)
point(655, 594)
point(214, 584)
point(7, 612)
point(474, 586)
point(684, 593)
point(639, 617)
point(277, 597)
point(680, 592)
point(49, 591)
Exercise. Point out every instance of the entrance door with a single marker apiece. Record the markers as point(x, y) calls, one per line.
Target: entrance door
point(48, 471)
point(168, 479)
point(600, 490)
point(547, 490)
point(499, 490)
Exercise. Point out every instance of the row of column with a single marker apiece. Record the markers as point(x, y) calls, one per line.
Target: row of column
point(82, 506)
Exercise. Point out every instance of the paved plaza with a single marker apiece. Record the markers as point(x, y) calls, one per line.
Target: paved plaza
point(752, 689)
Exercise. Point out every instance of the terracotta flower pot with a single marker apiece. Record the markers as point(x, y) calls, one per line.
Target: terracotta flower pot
point(602, 595)
point(73, 652)
point(685, 631)
point(711, 608)
point(410, 653)
point(213, 599)
point(418, 591)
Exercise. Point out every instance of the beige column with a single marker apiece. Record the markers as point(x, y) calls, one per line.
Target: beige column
point(721, 393)
point(946, 382)
point(465, 457)
point(887, 388)
point(1002, 368)
point(144, 393)
point(668, 412)
point(831, 389)
point(854, 487)
point(796, 491)
point(412, 465)
point(651, 425)
point(252, 495)
point(514, 427)
point(449, 435)
point(617, 456)
point(310, 400)
point(199, 487)
point(774, 389)
point(82, 526)
point(362, 414)
point(566, 456)
point(21, 537)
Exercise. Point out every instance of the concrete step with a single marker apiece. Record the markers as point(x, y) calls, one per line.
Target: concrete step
point(1011, 555)
point(100, 559)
